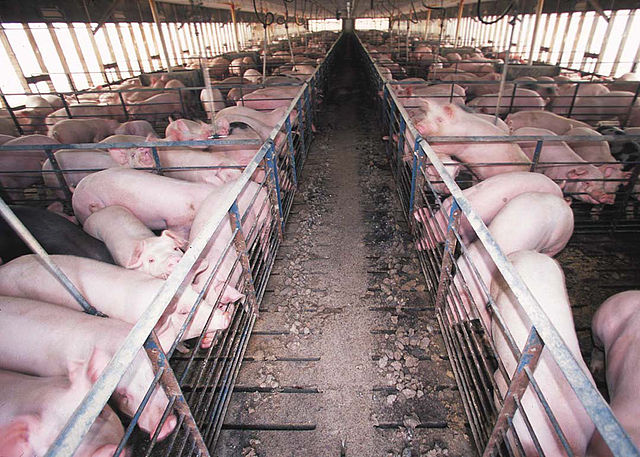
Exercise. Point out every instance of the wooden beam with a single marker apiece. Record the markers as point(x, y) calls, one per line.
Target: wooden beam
point(76, 45)
point(145, 44)
point(556, 27)
point(135, 47)
point(577, 35)
point(592, 32)
point(36, 52)
point(112, 54)
point(623, 42)
point(534, 38)
point(605, 41)
point(156, 19)
point(94, 46)
point(460, 9)
point(125, 51)
point(61, 55)
point(14, 60)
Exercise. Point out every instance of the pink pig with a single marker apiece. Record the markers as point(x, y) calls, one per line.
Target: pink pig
point(615, 329)
point(65, 335)
point(35, 410)
point(487, 198)
point(544, 278)
point(26, 277)
point(545, 224)
point(132, 244)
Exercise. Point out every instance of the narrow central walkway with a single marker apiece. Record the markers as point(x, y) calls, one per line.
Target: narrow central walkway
point(346, 358)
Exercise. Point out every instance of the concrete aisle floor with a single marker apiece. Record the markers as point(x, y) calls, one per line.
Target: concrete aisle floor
point(346, 357)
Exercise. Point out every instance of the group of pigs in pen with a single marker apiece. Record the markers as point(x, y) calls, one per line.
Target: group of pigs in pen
point(134, 226)
point(529, 216)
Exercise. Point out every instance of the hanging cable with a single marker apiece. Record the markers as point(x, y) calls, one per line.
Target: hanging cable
point(266, 21)
point(500, 17)
point(286, 30)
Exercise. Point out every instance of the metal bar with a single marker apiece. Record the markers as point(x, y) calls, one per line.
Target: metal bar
point(534, 38)
point(14, 60)
point(292, 152)
point(415, 171)
point(241, 249)
point(273, 166)
point(503, 78)
point(517, 386)
point(459, 18)
point(11, 112)
point(33, 244)
point(447, 258)
point(171, 388)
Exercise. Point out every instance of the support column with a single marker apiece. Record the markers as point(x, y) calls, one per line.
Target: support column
point(156, 19)
point(534, 38)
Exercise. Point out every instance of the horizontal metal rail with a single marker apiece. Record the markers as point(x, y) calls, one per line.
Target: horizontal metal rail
point(598, 410)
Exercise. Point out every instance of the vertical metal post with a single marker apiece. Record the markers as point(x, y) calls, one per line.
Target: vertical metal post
point(11, 113)
point(536, 156)
point(271, 162)
point(534, 38)
point(573, 99)
point(307, 104)
point(505, 66)
point(241, 248)
point(528, 360)
point(301, 126)
point(156, 19)
point(124, 105)
point(427, 24)
point(447, 261)
point(171, 388)
point(292, 151)
point(415, 170)
point(235, 26)
point(60, 177)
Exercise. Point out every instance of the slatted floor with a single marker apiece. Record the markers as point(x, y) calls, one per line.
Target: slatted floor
point(346, 357)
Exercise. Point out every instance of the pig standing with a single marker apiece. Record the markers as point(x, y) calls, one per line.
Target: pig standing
point(63, 336)
point(30, 161)
point(615, 329)
point(70, 131)
point(451, 120)
point(545, 224)
point(138, 128)
point(87, 161)
point(558, 161)
point(544, 278)
point(524, 99)
point(132, 244)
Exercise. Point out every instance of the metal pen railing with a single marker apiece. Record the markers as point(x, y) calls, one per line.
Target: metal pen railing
point(492, 413)
point(199, 384)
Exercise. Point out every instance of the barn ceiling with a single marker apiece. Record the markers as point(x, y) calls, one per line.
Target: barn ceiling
point(218, 10)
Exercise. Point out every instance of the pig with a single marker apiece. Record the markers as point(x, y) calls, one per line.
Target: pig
point(218, 67)
point(212, 101)
point(439, 93)
point(270, 98)
point(85, 110)
point(29, 160)
point(502, 125)
point(55, 233)
point(268, 118)
point(545, 224)
point(187, 130)
point(5, 138)
point(436, 120)
point(236, 67)
point(158, 201)
point(615, 104)
point(88, 130)
point(87, 161)
point(524, 99)
point(545, 279)
point(157, 107)
point(26, 277)
point(487, 198)
point(35, 410)
point(138, 128)
point(238, 93)
point(254, 76)
point(599, 154)
point(132, 244)
point(544, 120)
point(32, 117)
point(577, 178)
point(614, 329)
point(204, 167)
point(628, 82)
point(174, 84)
point(68, 336)
point(8, 127)
point(254, 209)
point(562, 101)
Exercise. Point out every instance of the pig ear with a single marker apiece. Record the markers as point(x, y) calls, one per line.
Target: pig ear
point(14, 437)
point(120, 156)
point(181, 125)
point(200, 268)
point(180, 242)
point(608, 171)
point(97, 363)
point(135, 261)
point(77, 371)
point(575, 172)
